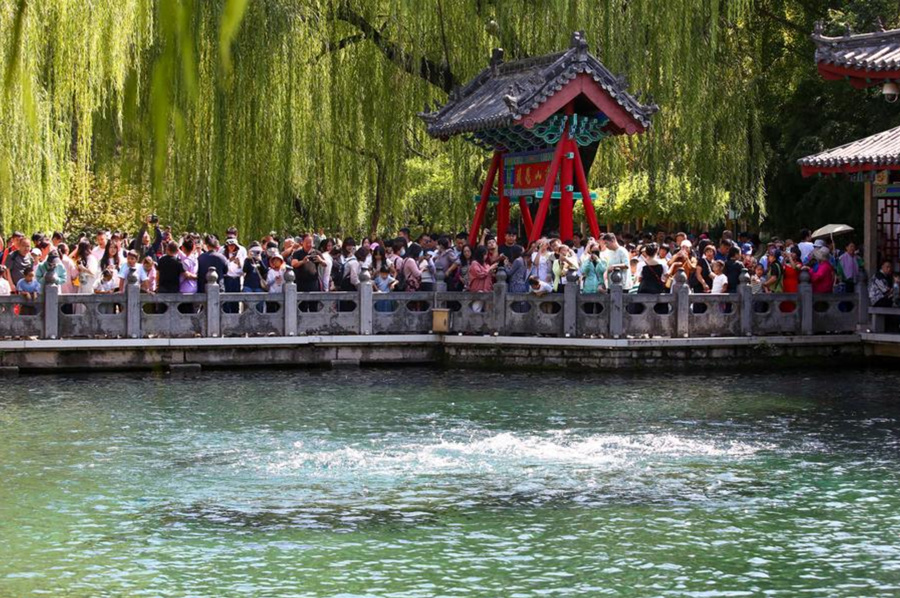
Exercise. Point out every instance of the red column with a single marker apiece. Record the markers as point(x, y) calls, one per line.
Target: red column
point(550, 181)
point(526, 215)
point(502, 205)
point(475, 232)
point(589, 212)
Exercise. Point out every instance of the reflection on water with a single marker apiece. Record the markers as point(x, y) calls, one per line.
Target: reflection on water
point(428, 483)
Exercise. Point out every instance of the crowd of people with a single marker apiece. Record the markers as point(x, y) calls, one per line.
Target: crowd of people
point(647, 263)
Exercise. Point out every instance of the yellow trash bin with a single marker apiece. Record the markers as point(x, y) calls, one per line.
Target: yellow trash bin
point(440, 320)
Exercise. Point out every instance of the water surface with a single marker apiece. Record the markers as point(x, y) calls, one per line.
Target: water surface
point(451, 483)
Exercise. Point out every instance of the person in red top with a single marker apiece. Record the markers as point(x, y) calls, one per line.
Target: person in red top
point(790, 282)
point(821, 272)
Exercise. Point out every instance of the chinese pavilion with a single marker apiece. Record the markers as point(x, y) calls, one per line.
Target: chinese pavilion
point(866, 60)
point(543, 118)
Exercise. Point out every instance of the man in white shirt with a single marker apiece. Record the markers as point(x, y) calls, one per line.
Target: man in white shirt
point(100, 247)
point(617, 258)
point(805, 245)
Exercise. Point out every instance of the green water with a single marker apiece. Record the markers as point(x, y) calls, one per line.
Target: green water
point(442, 483)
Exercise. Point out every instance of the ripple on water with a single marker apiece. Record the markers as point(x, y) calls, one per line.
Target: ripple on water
point(333, 486)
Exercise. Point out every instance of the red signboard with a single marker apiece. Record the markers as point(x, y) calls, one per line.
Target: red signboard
point(530, 176)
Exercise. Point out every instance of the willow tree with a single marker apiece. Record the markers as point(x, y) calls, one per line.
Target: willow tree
point(268, 112)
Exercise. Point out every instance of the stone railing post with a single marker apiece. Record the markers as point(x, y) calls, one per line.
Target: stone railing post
point(746, 303)
point(132, 306)
point(570, 306)
point(682, 304)
point(365, 302)
point(440, 285)
point(806, 303)
point(290, 303)
point(499, 309)
point(616, 305)
point(213, 317)
point(862, 301)
point(51, 305)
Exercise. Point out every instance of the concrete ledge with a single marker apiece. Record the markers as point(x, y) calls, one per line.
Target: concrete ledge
point(186, 355)
point(656, 343)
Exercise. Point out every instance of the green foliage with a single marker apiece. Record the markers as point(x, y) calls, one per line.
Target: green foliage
point(807, 114)
point(262, 113)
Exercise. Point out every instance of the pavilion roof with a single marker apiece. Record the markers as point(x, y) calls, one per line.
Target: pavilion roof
point(505, 93)
point(866, 58)
point(877, 152)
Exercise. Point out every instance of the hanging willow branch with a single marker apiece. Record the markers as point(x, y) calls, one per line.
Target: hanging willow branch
point(223, 108)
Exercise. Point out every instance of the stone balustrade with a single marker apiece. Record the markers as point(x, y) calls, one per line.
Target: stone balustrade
point(615, 314)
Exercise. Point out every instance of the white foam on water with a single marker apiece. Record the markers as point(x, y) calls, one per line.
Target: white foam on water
point(485, 452)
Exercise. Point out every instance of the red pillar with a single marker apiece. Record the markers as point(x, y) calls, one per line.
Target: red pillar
point(502, 204)
point(526, 215)
point(475, 232)
point(581, 178)
point(550, 181)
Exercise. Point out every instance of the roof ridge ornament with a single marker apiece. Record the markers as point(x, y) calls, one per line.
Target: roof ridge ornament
point(879, 24)
point(496, 60)
point(848, 30)
point(819, 27)
point(579, 44)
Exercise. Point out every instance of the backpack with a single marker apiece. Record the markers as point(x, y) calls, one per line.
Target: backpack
point(344, 283)
point(408, 284)
point(337, 274)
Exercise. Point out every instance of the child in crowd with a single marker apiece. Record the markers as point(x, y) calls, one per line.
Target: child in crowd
point(720, 281)
point(147, 275)
point(384, 283)
point(539, 287)
point(107, 283)
point(275, 278)
point(127, 268)
point(756, 281)
point(28, 286)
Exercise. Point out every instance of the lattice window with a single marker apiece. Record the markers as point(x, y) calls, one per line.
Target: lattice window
point(889, 229)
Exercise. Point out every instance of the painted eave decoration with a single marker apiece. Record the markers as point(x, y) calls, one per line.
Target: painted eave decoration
point(865, 59)
point(529, 91)
point(876, 152)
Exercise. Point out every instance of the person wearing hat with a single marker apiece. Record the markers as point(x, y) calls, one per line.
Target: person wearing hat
point(51, 264)
point(820, 271)
point(233, 273)
point(232, 235)
point(275, 274)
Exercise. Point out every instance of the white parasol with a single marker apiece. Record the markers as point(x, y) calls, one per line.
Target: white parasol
point(830, 230)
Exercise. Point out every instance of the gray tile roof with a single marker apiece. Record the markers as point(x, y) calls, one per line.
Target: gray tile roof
point(878, 51)
point(881, 149)
point(507, 91)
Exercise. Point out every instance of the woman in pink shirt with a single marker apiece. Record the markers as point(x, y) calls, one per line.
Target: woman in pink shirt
point(481, 276)
point(822, 275)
